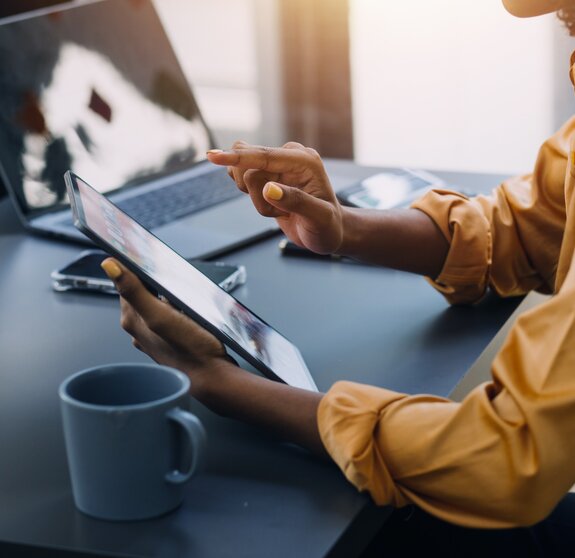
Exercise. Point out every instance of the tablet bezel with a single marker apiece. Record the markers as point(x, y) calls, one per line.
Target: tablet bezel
point(81, 223)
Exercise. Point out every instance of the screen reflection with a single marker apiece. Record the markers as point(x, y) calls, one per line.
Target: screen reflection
point(96, 89)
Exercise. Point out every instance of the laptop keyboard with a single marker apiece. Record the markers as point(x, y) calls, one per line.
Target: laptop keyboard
point(175, 201)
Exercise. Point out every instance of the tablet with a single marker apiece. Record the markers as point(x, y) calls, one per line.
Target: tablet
point(187, 289)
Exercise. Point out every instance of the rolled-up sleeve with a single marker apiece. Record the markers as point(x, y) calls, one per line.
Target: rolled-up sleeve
point(465, 274)
point(501, 458)
point(509, 240)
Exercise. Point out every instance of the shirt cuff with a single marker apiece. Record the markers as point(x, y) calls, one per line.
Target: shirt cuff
point(464, 277)
point(348, 419)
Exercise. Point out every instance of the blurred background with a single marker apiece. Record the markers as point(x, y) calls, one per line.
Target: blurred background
point(435, 84)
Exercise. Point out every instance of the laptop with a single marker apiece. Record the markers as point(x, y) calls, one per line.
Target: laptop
point(96, 87)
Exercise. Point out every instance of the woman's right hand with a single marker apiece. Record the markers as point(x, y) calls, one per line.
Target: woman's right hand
point(288, 183)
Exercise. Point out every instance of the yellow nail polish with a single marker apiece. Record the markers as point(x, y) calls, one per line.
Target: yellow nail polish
point(274, 192)
point(112, 269)
point(214, 151)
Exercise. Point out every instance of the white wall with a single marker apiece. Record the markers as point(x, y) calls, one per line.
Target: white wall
point(454, 84)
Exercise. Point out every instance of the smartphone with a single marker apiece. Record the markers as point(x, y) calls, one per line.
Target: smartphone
point(390, 188)
point(85, 274)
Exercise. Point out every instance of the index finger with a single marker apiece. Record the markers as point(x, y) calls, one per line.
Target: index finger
point(271, 159)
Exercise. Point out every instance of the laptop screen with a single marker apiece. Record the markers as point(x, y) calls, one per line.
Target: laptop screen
point(95, 88)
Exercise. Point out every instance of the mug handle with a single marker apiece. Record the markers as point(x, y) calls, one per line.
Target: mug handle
point(197, 436)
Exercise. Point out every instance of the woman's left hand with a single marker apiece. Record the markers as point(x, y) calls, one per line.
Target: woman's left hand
point(162, 332)
point(173, 339)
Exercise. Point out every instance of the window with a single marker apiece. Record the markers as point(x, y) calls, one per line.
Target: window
point(455, 84)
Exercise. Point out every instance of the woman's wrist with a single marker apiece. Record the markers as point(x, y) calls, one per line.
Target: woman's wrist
point(349, 234)
point(210, 378)
point(405, 239)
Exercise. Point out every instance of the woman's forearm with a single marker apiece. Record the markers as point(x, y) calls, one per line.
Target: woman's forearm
point(405, 239)
point(287, 412)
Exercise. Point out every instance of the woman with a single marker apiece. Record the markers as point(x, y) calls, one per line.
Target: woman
point(474, 473)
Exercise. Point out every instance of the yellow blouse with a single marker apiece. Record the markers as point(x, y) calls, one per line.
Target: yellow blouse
point(505, 455)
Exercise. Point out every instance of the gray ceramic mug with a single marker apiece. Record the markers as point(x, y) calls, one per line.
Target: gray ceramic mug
point(127, 436)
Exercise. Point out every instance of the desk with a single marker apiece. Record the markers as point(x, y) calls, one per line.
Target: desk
point(258, 497)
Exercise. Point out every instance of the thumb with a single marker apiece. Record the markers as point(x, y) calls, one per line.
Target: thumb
point(131, 289)
point(295, 200)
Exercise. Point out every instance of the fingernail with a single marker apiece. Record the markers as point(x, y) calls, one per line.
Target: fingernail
point(112, 269)
point(273, 191)
point(214, 151)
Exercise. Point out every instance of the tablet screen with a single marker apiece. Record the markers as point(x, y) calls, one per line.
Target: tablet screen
point(195, 291)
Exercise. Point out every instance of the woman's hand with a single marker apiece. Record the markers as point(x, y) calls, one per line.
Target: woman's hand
point(173, 339)
point(290, 184)
point(163, 333)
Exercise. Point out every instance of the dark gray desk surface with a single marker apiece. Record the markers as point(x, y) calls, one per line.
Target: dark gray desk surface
point(258, 496)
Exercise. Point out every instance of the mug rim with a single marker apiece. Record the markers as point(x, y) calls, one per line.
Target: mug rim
point(68, 399)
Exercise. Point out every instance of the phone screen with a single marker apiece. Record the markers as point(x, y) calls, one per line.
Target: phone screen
point(88, 266)
point(391, 188)
point(235, 322)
